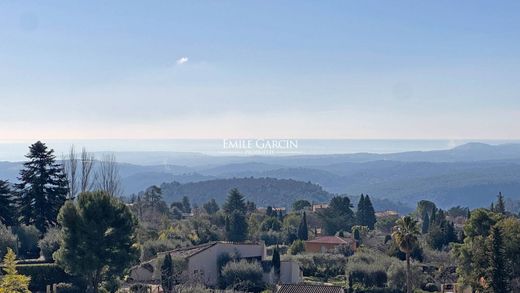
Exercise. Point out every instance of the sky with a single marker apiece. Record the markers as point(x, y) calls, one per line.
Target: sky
point(257, 69)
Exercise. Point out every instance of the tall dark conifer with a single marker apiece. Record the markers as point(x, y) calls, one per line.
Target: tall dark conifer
point(42, 189)
point(370, 213)
point(303, 231)
point(360, 212)
point(7, 206)
point(425, 224)
point(234, 202)
point(499, 273)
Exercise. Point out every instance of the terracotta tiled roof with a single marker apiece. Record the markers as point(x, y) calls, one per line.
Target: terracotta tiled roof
point(304, 288)
point(329, 240)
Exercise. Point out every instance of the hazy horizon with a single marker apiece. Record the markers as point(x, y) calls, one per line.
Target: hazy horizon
point(15, 150)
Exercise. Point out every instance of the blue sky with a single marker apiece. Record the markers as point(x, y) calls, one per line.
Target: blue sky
point(299, 69)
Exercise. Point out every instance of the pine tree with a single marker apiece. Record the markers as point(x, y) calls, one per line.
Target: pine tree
point(42, 189)
point(237, 231)
point(499, 274)
point(234, 202)
point(370, 213)
point(167, 280)
point(303, 231)
point(500, 207)
point(425, 224)
point(7, 205)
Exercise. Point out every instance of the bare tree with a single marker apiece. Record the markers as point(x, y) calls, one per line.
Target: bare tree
point(87, 164)
point(70, 168)
point(108, 178)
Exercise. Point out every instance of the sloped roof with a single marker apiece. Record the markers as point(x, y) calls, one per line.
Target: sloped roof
point(187, 252)
point(305, 288)
point(330, 240)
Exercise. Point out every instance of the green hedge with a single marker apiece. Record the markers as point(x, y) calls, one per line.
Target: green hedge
point(43, 275)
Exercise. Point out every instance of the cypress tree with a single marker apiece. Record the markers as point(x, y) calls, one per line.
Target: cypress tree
point(303, 231)
point(167, 274)
point(361, 212)
point(7, 206)
point(276, 262)
point(425, 224)
point(370, 213)
point(42, 189)
point(499, 274)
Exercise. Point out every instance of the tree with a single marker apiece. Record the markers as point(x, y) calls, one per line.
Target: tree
point(243, 276)
point(303, 231)
point(234, 202)
point(186, 206)
point(405, 236)
point(108, 178)
point(338, 216)
point(237, 231)
point(12, 282)
point(300, 205)
point(70, 168)
point(276, 261)
point(7, 205)
point(366, 215)
point(167, 279)
point(425, 223)
point(500, 207)
point(42, 189)
point(211, 207)
point(87, 164)
point(99, 238)
point(499, 273)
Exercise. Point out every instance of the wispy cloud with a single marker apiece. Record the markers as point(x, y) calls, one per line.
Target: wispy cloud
point(182, 60)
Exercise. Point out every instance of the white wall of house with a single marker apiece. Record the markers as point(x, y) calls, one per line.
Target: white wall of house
point(290, 273)
point(203, 265)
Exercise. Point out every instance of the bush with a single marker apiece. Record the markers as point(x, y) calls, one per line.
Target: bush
point(243, 276)
point(271, 237)
point(28, 237)
point(297, 247)
point(431, 287)
point(50, 243)
point(152, 247)
point(323, 266)
point(7, 240)
point(67, 288)
point(344, 249)
point(43, 274)
point(139, 288)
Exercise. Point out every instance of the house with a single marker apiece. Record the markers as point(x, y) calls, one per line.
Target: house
point(319, 206)
point(307, 288)
point(387, 214)
point(201, 263)
point(328, 243)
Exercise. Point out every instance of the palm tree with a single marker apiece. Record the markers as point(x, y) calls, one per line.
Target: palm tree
point(405, 236)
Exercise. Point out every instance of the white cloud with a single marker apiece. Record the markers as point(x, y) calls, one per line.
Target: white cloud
point(182, 60)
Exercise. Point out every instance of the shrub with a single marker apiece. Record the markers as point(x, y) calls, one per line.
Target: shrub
point(7, 240)
point(139, 288)
point(297, 247)
point(43, 274)
point(50, 243)
point(67, 288)
point(28, 237)
point(243, 276)
point(323, 266)
point(271, 237)
point(431, 287)
point(344, 249)
point(152, 247)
